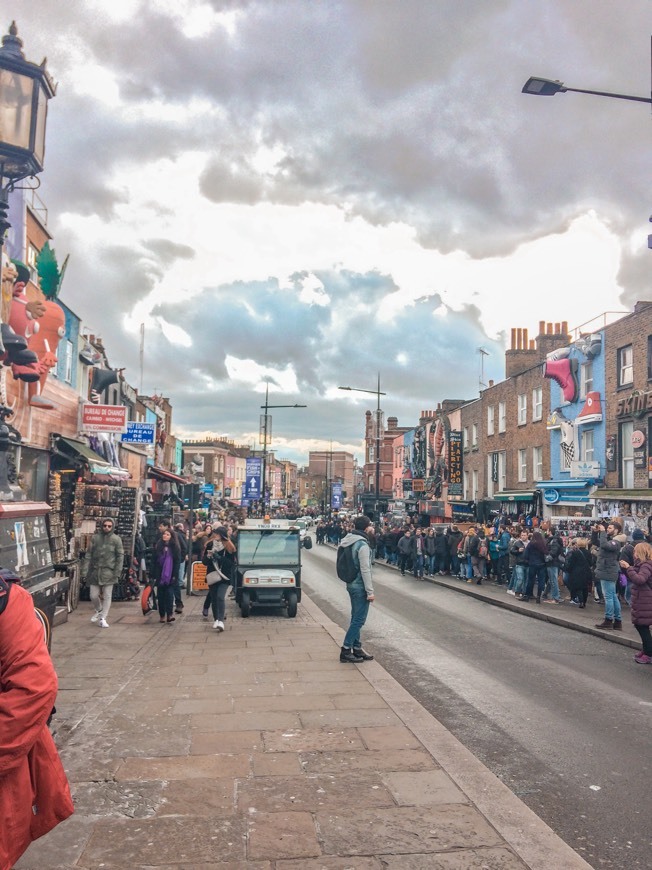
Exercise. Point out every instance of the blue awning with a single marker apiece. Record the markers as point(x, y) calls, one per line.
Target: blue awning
point(567, 483)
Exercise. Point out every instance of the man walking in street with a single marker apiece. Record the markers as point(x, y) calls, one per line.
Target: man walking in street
point(361, 590)
point(103, 568)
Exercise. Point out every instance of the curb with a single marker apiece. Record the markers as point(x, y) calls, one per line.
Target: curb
point(543, 616)
point(532, 840)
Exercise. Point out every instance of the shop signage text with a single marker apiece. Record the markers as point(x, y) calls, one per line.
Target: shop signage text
point(636, 404)
point(103, 418)
point(454, 463)
point(138, 433)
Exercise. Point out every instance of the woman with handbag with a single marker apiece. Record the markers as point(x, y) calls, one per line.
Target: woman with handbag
point(640, 576)
point(219, 558)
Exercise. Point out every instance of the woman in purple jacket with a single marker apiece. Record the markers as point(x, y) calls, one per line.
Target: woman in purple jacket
point(640, 576)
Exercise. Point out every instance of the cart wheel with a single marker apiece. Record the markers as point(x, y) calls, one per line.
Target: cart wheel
point(72, 597)
point(245, 603)
point(148, 600)
point(292, 604)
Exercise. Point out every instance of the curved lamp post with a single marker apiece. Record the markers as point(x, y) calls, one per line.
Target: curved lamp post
point(377, 393)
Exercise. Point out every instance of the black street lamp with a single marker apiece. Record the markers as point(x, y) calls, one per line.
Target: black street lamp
point(377, 393)
point(266, 427)
point(25, 89)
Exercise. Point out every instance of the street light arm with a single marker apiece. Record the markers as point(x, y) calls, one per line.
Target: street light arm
point(358, 390)
point(539, 87)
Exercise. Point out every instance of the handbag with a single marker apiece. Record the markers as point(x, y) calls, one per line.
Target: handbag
point(215, 576)
point(622, 579)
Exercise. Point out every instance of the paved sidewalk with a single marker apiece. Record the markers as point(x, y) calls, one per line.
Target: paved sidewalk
point(256, 748)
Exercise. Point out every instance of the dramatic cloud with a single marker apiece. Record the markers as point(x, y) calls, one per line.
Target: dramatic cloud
point(317, 192)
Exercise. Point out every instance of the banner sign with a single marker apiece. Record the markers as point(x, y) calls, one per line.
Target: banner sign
point(455, 461)
point(207, 488)
point(253, 473)
point(103, 418)
point(138, 433)
point(336, 496)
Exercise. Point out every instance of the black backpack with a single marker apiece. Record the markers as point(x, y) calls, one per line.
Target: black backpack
point(348, 562)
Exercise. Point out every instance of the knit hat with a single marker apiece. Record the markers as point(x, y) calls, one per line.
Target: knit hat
point(362, 523)
point(638, 535)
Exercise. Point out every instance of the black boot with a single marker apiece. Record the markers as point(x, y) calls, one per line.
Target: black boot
point(349, 655)
point(365, 656)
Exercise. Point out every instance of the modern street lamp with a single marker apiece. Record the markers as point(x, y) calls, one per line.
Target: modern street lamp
point(25, 89)
point(266, 426)
point(550, 87)
point(378, 393)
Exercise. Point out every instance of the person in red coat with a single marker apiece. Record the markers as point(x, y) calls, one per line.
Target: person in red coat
point(34, 791)
point(640, 576)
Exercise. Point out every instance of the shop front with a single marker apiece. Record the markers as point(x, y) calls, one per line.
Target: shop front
point(514, 503)
point(567, 499)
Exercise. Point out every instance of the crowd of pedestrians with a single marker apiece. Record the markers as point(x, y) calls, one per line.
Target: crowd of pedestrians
point(537, 565)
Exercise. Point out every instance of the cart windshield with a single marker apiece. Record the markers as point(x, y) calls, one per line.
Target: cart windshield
point(277, 547)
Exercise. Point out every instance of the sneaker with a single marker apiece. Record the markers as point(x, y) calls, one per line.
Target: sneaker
point(574, 601)
point(641, 659)
point(510, 592)
point(95, 616)
point(551, 601)
point(102, 622)
point(218, 625)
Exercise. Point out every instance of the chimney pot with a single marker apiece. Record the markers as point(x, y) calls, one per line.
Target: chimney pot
point(491, 383)
point(542, 327)
point(513, 339)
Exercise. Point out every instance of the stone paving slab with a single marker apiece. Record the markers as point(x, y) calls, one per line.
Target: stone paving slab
point(189, 750)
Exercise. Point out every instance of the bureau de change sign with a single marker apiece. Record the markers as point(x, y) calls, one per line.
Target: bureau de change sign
point(139, 433)
point(103, 418)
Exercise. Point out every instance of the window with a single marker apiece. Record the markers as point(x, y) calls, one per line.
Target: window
point(466, 486)
point(522, 465)
point(502, 416)
point(68, 358)
point(476, 478)
point(522, 409)
point(625, 366)
point(586, 379)
point(502, 471)
point(465, 437)
point(537, 403)
point(490, 420)
point(474, 435)
point(649, 357)
point(626, 455)
point(537, 463)
point(588, 450)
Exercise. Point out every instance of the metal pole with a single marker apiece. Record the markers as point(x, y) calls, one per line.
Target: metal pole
point(264, 470)
point(376, 510)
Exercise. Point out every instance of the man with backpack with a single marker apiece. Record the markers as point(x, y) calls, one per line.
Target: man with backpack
point(354, 568)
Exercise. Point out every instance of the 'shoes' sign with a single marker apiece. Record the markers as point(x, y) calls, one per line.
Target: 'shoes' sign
point(103, 418)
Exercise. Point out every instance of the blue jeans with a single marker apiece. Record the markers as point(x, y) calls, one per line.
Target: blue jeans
point(553, 582)
point(455, 564)
point(418, 566)
point(517, 583)
point(359, 611)
point(611, 602)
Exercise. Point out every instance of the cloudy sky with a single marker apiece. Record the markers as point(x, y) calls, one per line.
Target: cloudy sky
point(310, 192)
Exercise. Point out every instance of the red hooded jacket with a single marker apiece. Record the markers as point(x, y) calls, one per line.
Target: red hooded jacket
point(34, 791)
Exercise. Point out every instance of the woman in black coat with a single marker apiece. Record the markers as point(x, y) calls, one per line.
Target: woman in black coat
point(534, 557)
point(165, 572)
point(578, 568)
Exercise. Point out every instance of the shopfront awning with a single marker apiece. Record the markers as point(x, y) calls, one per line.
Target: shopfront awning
point(513, 495)
point(622, 494)
point(96, 463)
point(162, 474)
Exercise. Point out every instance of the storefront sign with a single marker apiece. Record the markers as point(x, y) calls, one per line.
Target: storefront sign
point(635, 405)
point(207, 488)
point(455, 462)
point(336, 496)
point(418, 485)
point(103, 418)
point(638, 438)
point(138, 433)
point(551, 496)
point(494, 467)
point(584, 469)
point(610, 453)
point(640, 458)
point(198, 577)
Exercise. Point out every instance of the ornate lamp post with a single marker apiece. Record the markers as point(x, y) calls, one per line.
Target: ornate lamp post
point(25, 89)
